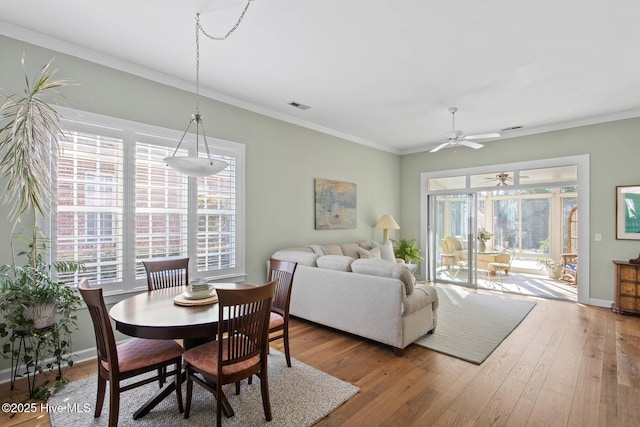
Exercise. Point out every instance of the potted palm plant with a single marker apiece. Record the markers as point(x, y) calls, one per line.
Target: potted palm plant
point(35, 307)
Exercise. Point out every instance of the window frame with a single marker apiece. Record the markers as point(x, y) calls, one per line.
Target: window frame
point(132, 133)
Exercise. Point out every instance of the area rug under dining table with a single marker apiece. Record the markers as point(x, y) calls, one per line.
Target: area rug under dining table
point(472, 325)
point(300, 396)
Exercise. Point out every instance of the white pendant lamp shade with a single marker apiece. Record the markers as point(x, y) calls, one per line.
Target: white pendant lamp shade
point(195, 166)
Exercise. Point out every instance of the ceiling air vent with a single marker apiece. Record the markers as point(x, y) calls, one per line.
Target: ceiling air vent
point(299, 106)
point(511, 128)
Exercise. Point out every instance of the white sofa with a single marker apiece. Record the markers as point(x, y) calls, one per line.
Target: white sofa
point(381, 301)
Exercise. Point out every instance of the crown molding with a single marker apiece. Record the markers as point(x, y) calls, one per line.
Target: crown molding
point(47, 42)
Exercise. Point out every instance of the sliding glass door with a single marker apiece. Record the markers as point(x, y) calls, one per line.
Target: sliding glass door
point(452, 225)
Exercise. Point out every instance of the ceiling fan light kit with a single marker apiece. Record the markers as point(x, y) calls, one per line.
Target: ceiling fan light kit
point(458, 138)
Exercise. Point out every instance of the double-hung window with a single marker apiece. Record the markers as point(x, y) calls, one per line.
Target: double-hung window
point(117, 204)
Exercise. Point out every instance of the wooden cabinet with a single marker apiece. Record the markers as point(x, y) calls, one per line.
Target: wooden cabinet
point(627, 292)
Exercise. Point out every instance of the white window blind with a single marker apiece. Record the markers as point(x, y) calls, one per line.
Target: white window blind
point(118, 204)
point(161, 207)
point(217, 219)
point(89, 220)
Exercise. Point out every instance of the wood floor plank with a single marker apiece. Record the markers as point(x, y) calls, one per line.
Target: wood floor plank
point(583, 412)
point(608, 405)
point(551, 409)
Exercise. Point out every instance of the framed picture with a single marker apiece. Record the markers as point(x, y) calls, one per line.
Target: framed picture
point(335, 204)
point(628, 212)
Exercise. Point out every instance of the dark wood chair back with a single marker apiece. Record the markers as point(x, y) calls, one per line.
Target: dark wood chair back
point(282, 272)
point(105, 340)
point(113, 369)
point(245, 331)
point(167, 273)
point(240, 350)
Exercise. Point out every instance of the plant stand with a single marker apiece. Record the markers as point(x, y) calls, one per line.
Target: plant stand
point(25, 338)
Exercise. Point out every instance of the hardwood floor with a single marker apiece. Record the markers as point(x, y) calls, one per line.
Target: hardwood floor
point(565, 365)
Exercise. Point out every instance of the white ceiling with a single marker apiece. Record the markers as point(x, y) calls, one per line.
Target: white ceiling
point(377, 72)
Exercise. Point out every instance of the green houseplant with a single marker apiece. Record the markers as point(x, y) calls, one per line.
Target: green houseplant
point(34, 307)
point(554, 269)
point(408, 250)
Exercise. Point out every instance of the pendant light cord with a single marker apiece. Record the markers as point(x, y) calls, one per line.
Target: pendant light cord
point(198, 30)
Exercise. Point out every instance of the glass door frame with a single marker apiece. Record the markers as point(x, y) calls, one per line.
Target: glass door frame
point(435, 236)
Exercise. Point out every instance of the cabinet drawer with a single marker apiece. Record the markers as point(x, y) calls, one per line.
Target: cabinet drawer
point(628, 303)
point(628, 288)
point(629, 274)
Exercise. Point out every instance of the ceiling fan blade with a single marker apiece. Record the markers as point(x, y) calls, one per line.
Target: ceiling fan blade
point(440, 147)
point(483, 136)
point(471, 144)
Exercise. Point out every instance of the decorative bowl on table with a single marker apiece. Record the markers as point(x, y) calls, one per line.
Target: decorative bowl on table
point(199, 289)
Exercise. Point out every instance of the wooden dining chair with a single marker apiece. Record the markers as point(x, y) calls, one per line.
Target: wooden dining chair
point(129, 359)
point(167, 273)
point(240, 349)
point(163, 274)
point(282, 272)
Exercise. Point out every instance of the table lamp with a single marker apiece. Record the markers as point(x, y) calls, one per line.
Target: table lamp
point(386, 223)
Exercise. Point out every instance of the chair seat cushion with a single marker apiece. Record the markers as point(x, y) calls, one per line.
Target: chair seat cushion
point(139, 353)
point(275, 320)
point(205, 359)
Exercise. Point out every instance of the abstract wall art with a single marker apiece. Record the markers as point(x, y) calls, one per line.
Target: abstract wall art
point(336, 203)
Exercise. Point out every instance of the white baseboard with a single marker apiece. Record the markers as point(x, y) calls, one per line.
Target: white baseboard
point(600, 302)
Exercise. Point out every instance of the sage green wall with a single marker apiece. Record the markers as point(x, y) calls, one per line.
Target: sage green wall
point(282, 159)
point(614, 160)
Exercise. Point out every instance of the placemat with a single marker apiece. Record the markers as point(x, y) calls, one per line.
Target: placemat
point(181, 300)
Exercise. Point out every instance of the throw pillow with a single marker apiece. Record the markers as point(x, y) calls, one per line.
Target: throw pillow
point(383, 268)
point(373, 253)
point(386, 250)
point(335, 262)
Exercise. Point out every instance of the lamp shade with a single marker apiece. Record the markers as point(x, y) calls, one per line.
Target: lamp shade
point(195, 166)
point(386, 222)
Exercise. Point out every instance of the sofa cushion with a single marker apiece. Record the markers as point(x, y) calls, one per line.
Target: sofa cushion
point(302, 258)
point(383, 268)
point(386, 250)
point(369, 254)
point(350, 249)
point(335, 262)
point(333, 250)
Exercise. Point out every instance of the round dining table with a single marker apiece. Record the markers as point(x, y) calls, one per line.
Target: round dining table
point(153, 315)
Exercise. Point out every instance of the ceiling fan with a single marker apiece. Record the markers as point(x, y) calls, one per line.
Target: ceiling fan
point(503, 179)
point(457, 137)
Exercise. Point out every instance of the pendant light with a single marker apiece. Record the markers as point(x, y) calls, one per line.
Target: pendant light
point(197, 166)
